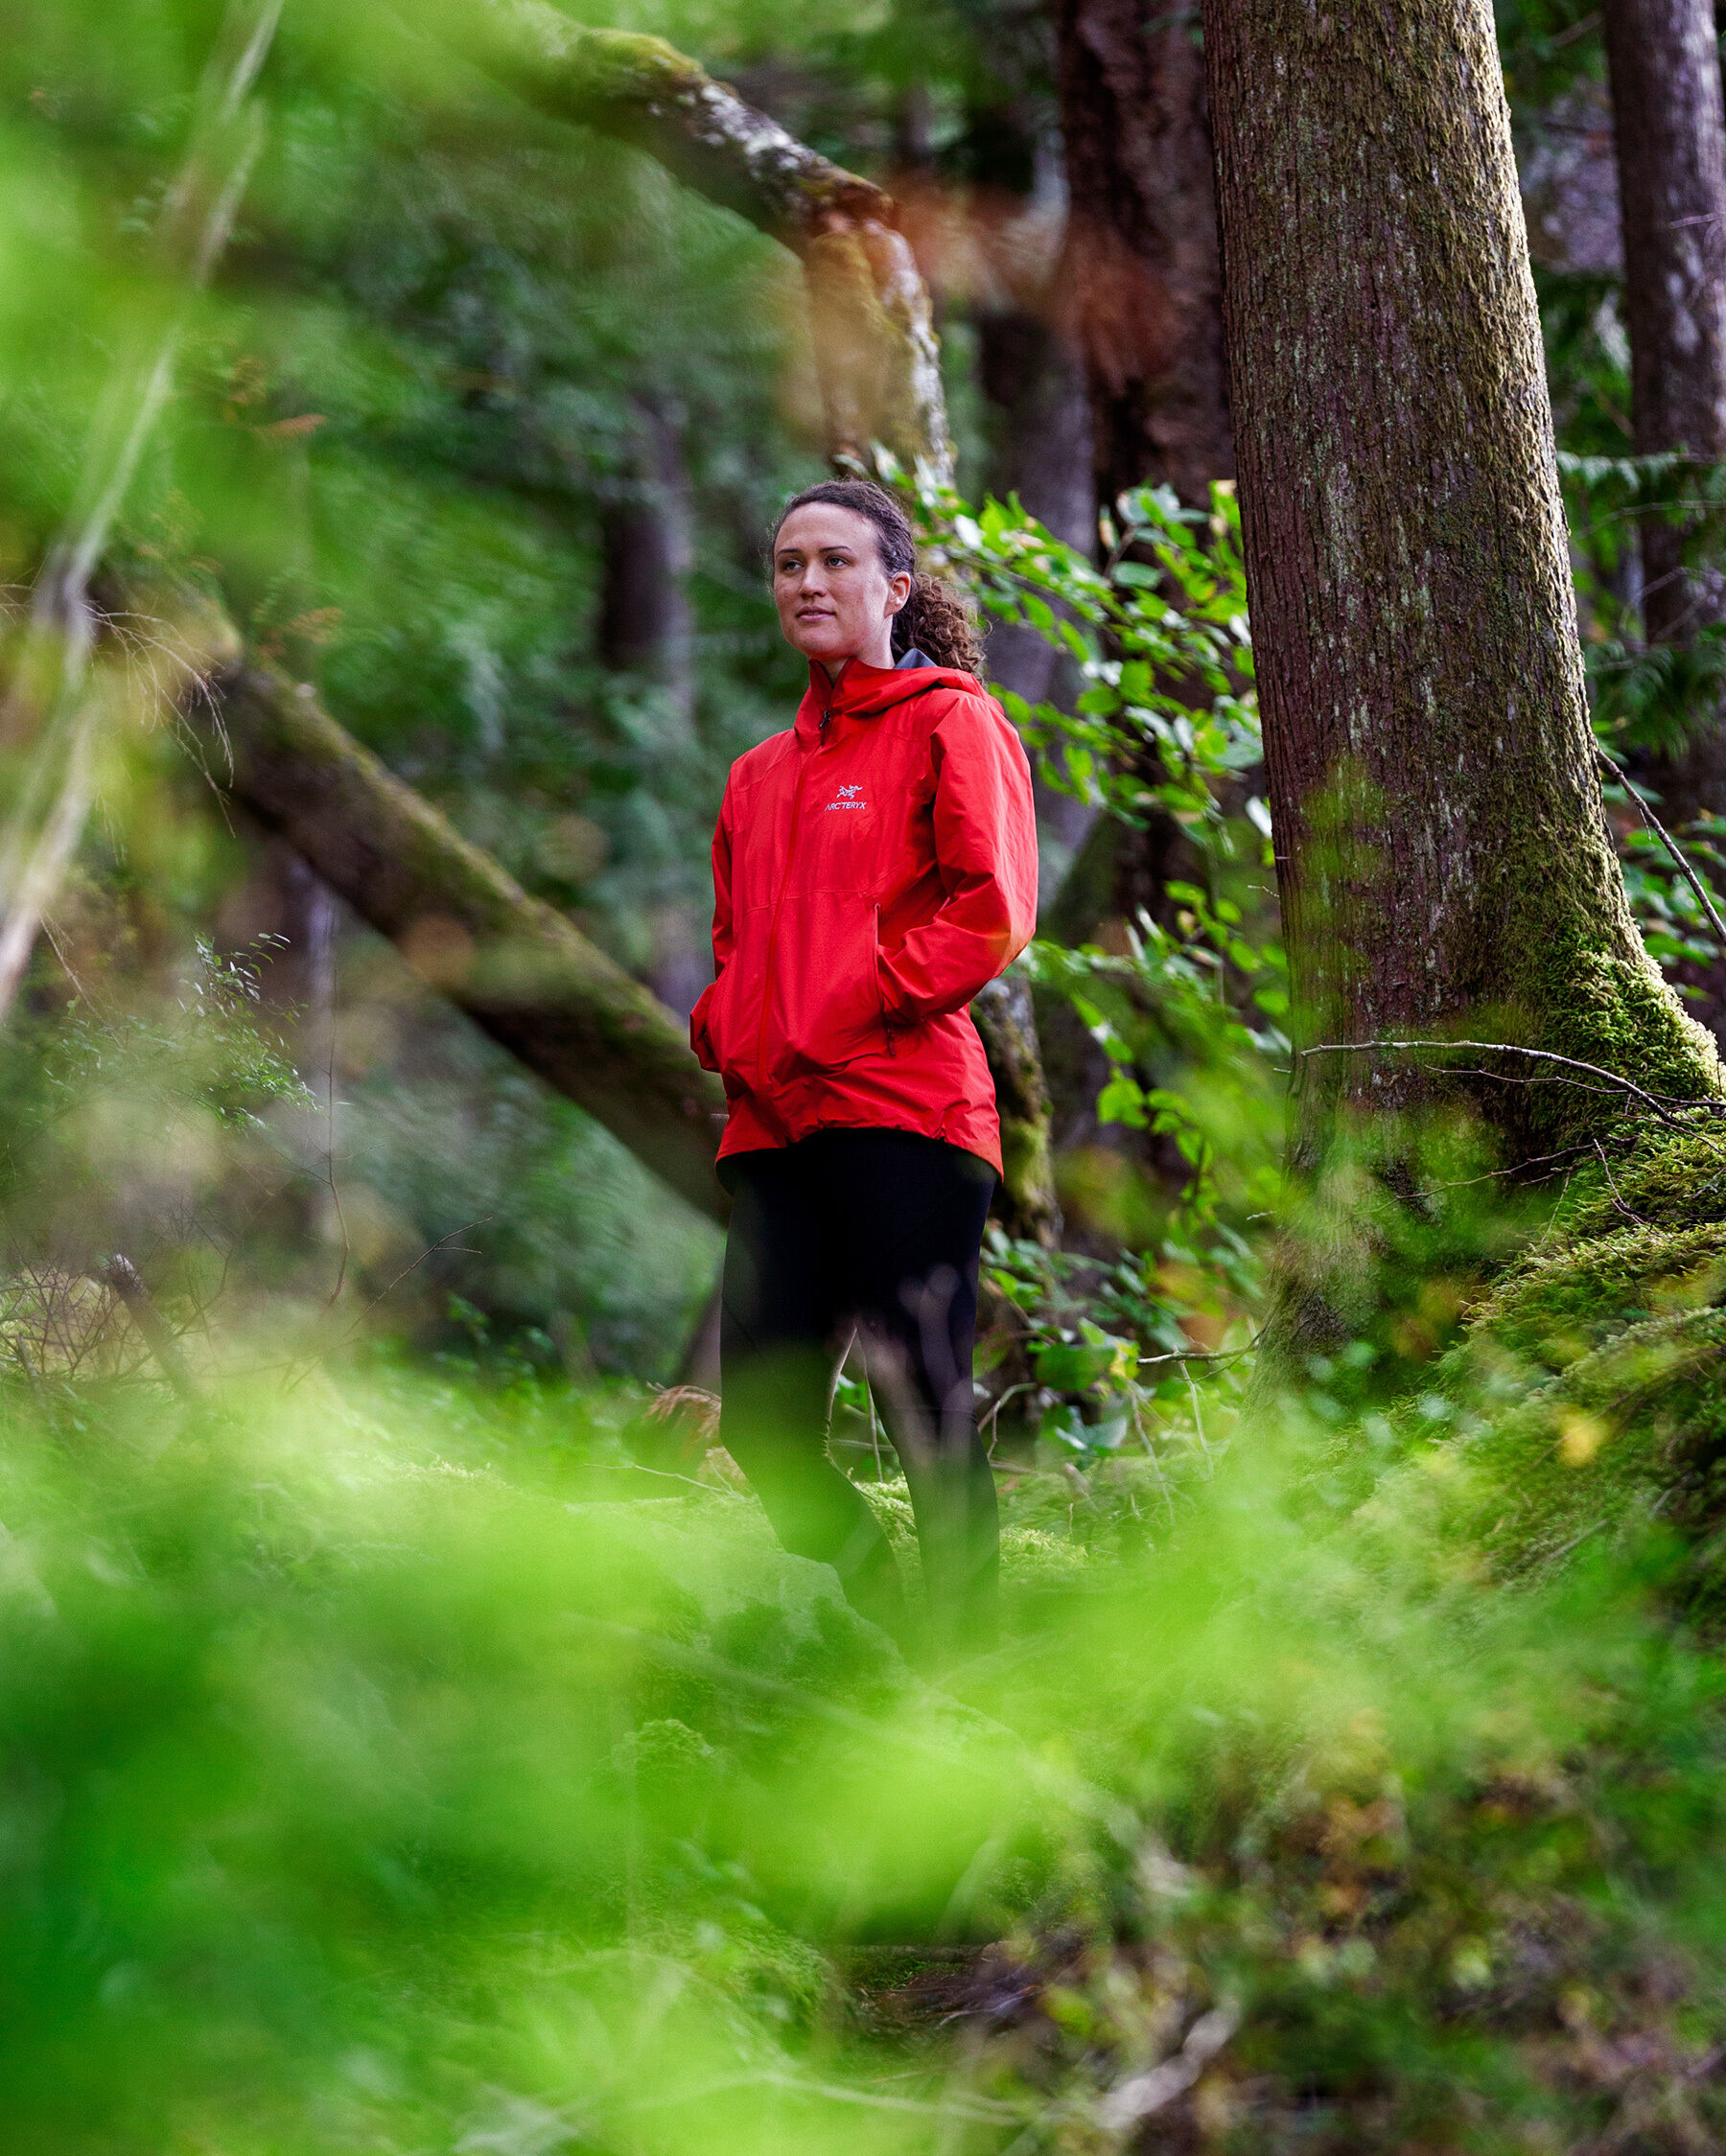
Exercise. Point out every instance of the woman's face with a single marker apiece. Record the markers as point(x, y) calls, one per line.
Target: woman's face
point(835, 599)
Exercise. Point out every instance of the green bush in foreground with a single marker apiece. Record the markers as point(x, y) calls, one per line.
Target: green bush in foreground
point(380, 1777)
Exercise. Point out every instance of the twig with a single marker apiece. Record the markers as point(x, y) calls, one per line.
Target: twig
point(1519, 1168)
point(1585, 28)
point(381, 1295)
point(1616, 1200)
point(330, 1175)
point(1138, 1423)
point(1198, 1425)
point(1536, 1055)
point(1666, 838)
point(994, 1418)
point(875, 1422)
point(1198, 1354)
point(1130, 2101)
point(838, 1372)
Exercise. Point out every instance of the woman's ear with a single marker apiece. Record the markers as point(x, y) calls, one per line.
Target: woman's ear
point(899, 591)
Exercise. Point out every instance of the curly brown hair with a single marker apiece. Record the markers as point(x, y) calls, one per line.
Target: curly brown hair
point(935, 619)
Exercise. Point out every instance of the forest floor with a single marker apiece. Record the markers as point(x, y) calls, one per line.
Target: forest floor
point(395, 1762)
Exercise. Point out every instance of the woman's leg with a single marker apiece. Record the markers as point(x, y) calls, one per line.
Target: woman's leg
point(777, 1319)
point(906, 1217)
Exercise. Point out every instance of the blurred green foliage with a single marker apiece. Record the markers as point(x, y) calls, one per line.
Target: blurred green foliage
point(394, 1765)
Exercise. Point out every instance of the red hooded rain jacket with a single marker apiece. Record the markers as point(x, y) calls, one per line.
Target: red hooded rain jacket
point(873, 869)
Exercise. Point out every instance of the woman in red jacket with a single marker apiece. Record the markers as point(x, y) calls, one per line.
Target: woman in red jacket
point(873, 868)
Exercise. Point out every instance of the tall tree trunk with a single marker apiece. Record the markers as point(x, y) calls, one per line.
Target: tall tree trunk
point(647, 545)
point(1670, 137)
point(1142, 245)
point(1441, 850)
point(1036, 388)
point(1145, 311)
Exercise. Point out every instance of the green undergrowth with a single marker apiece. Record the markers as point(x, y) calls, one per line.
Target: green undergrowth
point(391, 1764)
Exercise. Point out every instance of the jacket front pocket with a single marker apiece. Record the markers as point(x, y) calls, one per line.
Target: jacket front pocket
point(826, 1006)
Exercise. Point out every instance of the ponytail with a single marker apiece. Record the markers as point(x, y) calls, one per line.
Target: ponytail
point(936, 619)
point(937, 622)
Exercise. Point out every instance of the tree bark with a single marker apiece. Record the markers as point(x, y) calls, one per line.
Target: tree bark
point(1142, 268)
point(1028, 1205)
point(1144, 311)
point(1441, 850)
point(526, 974)
point(1040, 421)
point(648, 550)
point(1670, 136)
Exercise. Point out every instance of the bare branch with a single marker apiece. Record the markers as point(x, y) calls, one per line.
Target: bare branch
point(1622, 1085)
point(121, 1275)
point(1666, 838)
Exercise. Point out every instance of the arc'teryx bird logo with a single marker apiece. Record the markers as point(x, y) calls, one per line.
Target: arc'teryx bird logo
point(845, 798)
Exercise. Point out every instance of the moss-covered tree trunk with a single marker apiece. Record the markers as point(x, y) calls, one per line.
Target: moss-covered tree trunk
point(874, 340)
point(523, 972)
point(1442, 855)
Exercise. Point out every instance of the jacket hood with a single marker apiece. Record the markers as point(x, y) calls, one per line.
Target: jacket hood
point(865, 692)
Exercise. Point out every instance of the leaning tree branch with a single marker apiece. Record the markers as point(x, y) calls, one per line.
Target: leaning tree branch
point(875, 348)
point(644, 92)
point(523, 973)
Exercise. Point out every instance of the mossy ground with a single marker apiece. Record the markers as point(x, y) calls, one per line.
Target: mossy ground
point(1590, 1389)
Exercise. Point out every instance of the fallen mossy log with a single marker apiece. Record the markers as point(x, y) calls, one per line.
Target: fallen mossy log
point(523, 973)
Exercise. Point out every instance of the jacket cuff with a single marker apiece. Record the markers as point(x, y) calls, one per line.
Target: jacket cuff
point(698, 1032)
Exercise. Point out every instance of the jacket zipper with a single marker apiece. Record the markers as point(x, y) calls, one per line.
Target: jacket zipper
point(886, 1028)
point(778, 903)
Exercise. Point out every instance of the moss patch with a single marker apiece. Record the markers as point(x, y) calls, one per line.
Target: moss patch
point(1590, 1387)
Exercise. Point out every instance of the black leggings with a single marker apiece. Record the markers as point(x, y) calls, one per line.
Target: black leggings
point(879, 1229)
